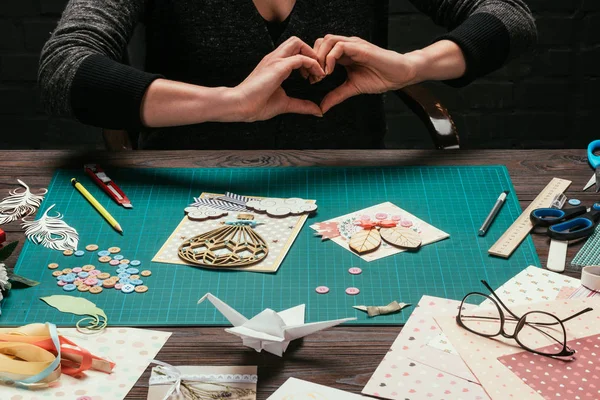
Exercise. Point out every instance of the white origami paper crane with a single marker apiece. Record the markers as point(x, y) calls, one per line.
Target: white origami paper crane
point(269, 330)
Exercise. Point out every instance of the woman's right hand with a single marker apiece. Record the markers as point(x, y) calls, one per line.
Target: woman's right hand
point(261, 97)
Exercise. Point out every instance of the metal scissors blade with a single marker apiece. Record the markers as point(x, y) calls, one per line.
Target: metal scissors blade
point(597, 179)
point(594, 160)
point(590, 183)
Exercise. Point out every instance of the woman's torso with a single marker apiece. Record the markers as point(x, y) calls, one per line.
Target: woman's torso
point(218, 43)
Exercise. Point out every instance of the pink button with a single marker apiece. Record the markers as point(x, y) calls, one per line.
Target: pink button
point(352, 291)
point(76, 270)
point(94, 272)
point(84, 398)
point(91, 281)
point(396, 218)
point(322, 289)
point(365, 218)
point(406, 223)
point(118, 286)
point(61, 283)
point(114, 262)
point(381, 216)
point(355, 271)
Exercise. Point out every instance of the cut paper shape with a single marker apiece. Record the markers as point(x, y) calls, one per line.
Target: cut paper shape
point(279, 233)
point(413, 370)
point(347, 226)
point(202, 213)
point(51, 232)
point(233, 245)
point(235, 198)
point(374, 311)
point(269, 330)
point(327, 230)
point(203, 382)
point(365, 241)
point(297, 389)
point(282, 207)
point(481, 354)
point(556, 378)
point(401, 237)
point(96, 319)
point(20, 204)
point(131, 349)
point(216, 203)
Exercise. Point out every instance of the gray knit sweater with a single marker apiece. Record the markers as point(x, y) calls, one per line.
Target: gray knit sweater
point(82, 71)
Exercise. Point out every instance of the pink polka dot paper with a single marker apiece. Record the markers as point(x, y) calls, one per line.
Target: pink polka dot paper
point(558, 379)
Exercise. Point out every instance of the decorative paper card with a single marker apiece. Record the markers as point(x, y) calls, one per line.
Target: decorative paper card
point(413, 370)
point(346, 227)
point(296, 389)
point(533, 285)
point(553, 378)
point(279, 233)
point(204, 382)
point(481, 354)
point(582, 291)
point(131, 349)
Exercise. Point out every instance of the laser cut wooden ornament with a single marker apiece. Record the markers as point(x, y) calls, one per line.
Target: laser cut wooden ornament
point(234, 244)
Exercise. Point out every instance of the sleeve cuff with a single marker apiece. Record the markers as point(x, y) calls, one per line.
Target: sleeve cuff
point(485, 42)
point(109, 94)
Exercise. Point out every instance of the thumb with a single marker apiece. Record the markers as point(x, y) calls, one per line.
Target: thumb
point(337, 95)
point(298, 106)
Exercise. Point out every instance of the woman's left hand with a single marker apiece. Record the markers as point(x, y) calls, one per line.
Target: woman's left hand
point(370, 68)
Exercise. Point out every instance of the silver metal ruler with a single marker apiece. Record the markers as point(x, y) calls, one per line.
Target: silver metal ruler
point(518, 231)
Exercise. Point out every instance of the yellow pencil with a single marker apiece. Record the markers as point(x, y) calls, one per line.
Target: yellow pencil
point(113, 222)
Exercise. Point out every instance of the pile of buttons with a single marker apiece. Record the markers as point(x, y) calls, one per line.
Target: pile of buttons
point(125, 278)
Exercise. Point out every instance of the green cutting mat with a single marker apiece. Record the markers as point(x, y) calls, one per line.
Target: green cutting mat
point(454, 199)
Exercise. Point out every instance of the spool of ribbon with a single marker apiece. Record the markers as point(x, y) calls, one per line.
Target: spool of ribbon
point(590, 277)
point(167, 374)
point(35, 355)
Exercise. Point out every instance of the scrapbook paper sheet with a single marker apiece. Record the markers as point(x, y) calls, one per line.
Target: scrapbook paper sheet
point(582, 291)
point(566, 292)
point(346, 227)
point(279, 233)
point(207, 382)
point(413, 370)
point(481, 354)
point(296, 389)
point(533, 285)
point(131, 349)
point(553, 378)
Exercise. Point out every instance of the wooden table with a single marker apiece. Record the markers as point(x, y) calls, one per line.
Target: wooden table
point(342, 357)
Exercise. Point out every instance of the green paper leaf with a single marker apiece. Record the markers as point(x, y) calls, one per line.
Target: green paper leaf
point(21, 280)
point(78, 306)
point(7, 250)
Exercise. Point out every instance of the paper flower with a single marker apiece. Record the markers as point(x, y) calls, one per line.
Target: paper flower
point(282, 207)
point(202, 213)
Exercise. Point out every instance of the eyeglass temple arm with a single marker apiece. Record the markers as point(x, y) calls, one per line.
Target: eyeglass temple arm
point(498, 299)
point(577, 314)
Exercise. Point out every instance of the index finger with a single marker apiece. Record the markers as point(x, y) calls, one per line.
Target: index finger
point(293, 46)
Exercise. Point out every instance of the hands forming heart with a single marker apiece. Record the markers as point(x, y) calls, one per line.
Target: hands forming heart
point(370, 69)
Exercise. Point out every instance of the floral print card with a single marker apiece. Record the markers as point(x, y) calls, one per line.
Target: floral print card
point(341, 229)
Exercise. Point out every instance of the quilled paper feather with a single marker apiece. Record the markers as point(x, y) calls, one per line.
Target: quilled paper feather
point(51, 232)
point(20, 204)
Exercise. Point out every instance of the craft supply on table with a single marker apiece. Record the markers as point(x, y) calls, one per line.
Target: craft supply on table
point(130, 349)
point(589, 254)
point(297, 389)
point(95, 319)
point(594, 160)
point(202, 382)
point(52, 232)
point(92, 200)
point(373, 311)
point(20, 204)
point(590, 277)
point(160, 195)
point(493, 213)
point(269, 330)
point(108, 185)
point(518, 231)
point(574, 202)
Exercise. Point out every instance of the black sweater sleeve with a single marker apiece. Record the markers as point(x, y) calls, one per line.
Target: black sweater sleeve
point(489, 32)
point(80, 72)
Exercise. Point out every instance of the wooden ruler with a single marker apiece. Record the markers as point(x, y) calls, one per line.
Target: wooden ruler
point(518, 231)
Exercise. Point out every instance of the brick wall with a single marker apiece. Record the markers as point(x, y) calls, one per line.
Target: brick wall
point(546, 99)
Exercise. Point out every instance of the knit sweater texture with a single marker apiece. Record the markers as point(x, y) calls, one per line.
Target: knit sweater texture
point(84, 74)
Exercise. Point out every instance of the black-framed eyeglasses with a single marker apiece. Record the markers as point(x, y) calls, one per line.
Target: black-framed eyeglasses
point(538, 332)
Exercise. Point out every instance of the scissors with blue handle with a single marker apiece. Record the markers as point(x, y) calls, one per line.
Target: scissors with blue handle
point(570, 224)
point(595, 163)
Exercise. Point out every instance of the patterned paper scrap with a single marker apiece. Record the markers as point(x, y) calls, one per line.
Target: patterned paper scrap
point(296, 389)
point(347, 227)
point(131, 349)
point(412, 370)
point(554, 378)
